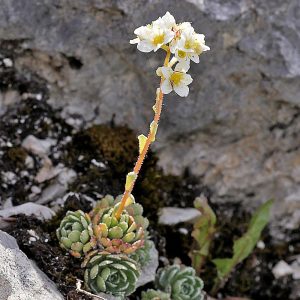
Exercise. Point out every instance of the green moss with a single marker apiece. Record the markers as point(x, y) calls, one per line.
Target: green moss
point(17, 156)
point(118, 146)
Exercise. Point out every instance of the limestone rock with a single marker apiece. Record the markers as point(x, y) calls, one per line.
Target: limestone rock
point(28, 209)
point(174, 215)
point(20, 279)
point(149, 270)
point(238, 129)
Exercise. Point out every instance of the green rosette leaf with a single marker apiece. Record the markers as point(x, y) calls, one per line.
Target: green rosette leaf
point(180, 282)
point(113, 274)
point(75, 233)
point(124, 235)
point(155, 295)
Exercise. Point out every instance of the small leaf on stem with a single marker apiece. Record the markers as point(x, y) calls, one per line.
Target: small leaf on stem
point(130, 178)
point(142, 141)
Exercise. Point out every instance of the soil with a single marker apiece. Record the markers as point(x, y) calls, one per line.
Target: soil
point(102, 155)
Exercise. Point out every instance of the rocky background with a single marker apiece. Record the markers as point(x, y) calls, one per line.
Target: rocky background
point(238, 130)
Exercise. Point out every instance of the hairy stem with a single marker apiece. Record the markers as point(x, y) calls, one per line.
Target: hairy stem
point(150, 138)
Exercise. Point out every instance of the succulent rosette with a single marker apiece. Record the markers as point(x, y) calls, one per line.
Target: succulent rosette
point(75, 233)
point(180, 282)
point(114, 274)
point(123, 235)
point(155, 295)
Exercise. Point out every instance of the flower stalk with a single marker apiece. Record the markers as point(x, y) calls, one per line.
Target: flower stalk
point(150, 138)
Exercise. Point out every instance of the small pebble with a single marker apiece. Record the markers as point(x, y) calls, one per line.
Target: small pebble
point(261, 245)
point(98, 163)
point(8, 62)
point(35, 189)
point(282, 269)
point(183, 231)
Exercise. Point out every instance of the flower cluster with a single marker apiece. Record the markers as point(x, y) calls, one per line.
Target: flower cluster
point(179, 39)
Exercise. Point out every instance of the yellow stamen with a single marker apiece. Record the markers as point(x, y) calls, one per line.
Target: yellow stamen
point(197, 48)
point(181, 54)
point(176, 78)
point(188, 44)
point(159, 39)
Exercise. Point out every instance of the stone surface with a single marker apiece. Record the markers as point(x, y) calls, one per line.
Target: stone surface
point(173, 215)
point(20, 279)
point(239, 128)
point(149, 270)
point(282, 269)
point(37, 146)
point(28, 209)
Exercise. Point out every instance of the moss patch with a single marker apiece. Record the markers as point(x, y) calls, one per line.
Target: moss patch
point(17, 156)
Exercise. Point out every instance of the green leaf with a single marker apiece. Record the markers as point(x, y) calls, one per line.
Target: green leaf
point(203, 233)
point(153, 130)
point(130, 178)
point(223, 265)
point(142, 141)
point(243, 247)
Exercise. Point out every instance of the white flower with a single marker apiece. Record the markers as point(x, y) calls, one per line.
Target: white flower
point(190, 45)
point(152, 37)
point(184, 26)
point(176, 80)
point(166, 21)
point(159, 33)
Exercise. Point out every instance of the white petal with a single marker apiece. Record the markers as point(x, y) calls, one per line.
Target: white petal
point(158, 72)
point(187, 79)
point(145, 46)
point(169, 35)
point(169, 20)
point(183, 66)
point(167, 71)
point(188, 31)
point(159, 23)
point(157, 47)
point(166, 87)
point(134, 41)
point(185, 25)
point(194, 58)
point(205, 48)
point(173, 46)
point(200, 37)
point(181, 90)
point(141, 31)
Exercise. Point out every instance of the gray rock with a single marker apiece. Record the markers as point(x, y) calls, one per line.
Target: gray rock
point(20, 279)
point(175, 215)
point(38, 146)
point(52, 192)
point(8, 241)
point(58, 188)
point(282, 269)
point(28, 209)
point(239, 128)
point(149, 270)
